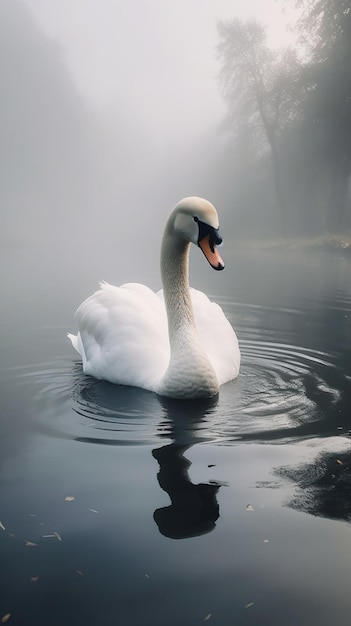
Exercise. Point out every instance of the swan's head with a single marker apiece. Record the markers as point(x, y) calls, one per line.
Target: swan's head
point(196, 220)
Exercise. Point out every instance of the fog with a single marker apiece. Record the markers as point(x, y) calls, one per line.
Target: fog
point(113, 111)
point(155, 59)
point(110, 113)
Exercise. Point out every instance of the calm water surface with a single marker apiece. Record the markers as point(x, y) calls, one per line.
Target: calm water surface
point(121, 508)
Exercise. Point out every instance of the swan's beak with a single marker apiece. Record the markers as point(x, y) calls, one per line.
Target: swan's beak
point(209, 249)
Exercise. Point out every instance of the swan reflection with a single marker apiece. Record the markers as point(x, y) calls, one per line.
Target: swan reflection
point(116, 410)
point(194, 508)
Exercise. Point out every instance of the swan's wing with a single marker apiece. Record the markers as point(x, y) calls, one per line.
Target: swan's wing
point(123, 335)
point(217, 336)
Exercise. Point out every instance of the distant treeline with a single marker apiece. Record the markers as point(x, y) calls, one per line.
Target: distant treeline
point(289, 112)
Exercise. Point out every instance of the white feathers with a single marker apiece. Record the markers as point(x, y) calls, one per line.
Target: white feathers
point(125, 333)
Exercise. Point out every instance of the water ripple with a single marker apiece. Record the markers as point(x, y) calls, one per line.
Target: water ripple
point(284, 391)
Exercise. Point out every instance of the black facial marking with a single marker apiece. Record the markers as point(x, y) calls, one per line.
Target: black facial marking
point(205, 229)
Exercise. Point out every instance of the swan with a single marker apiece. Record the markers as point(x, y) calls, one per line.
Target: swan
point(176, 342)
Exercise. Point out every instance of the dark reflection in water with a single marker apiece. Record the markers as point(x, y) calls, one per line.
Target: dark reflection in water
point(143, 470)
point(194, 509)
point(323, 487)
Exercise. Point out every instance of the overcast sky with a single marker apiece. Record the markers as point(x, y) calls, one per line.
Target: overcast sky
point(112, 171)
point(155, 57)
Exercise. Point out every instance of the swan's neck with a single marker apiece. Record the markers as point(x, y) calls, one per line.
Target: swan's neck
point(175, 280)
point(190, 373)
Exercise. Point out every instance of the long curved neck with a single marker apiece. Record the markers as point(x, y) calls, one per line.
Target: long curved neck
point(175, 280)
point(190, 373)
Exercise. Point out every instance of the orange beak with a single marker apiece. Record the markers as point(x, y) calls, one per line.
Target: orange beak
point(211, 254)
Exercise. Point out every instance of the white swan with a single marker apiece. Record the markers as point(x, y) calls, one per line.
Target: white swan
point(176, 343)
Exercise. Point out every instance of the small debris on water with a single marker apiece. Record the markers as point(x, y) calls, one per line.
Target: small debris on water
point(34, 579)
point(249, 507)
point(207, 617)
point(248, 606)
point(93, 510)
point(79, 572)
point(2, 526)
point(31, 544)
point(339, 462)
point(5, 618)
point(69, 498)
point(58, 536)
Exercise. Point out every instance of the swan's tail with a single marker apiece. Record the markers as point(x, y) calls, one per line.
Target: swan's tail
point(74, 340)
point(78, 345)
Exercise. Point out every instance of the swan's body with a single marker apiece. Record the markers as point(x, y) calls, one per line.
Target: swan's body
point(176, 343)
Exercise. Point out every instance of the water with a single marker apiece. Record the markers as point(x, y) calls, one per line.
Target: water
point(118, 507)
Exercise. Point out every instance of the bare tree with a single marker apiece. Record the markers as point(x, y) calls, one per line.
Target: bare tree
point(259, 88)
point(324, 27)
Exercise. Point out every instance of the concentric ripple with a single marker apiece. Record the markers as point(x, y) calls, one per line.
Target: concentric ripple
point(284, 391)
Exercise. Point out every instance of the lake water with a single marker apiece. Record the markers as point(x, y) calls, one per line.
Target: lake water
point(121, 508)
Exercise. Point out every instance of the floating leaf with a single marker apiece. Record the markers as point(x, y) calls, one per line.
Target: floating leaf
point(69, 498)
point(5, 618)
point(339, 462)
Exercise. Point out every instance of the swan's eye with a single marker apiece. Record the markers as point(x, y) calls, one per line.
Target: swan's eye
point(196, 219)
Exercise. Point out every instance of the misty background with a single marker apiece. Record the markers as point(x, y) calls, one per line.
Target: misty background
point(111, 112)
